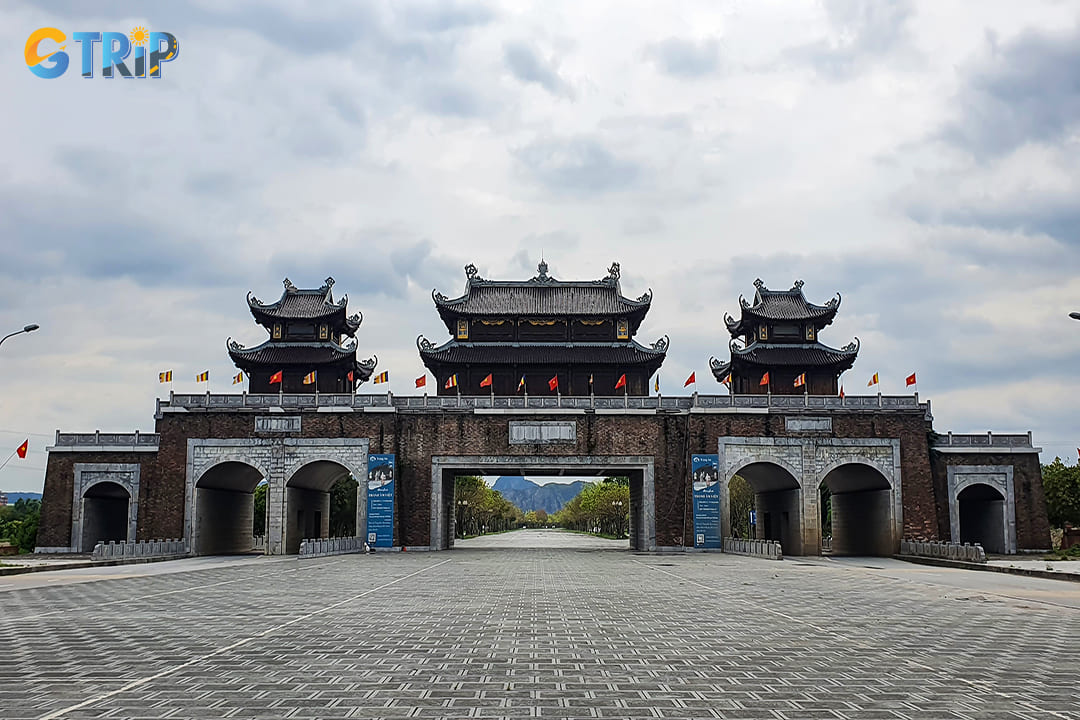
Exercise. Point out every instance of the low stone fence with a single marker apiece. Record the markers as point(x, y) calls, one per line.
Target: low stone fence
point(322, 547)
point(143, 549)
point(769, 549)
point(943, 550)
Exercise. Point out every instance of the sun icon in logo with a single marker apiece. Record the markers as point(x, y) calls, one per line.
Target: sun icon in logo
point(138, 35)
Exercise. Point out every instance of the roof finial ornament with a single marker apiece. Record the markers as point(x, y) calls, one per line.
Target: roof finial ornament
point(613, 271)
point(759, 284)
point(329, 283)
point(289, 287)
point(542, 267)
point(798, 285)
point(470, 271)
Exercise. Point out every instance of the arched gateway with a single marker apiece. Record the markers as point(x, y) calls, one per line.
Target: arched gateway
point(544, 376)
point(785, 473)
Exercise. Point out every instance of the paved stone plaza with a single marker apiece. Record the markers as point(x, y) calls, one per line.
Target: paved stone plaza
point(569, 629)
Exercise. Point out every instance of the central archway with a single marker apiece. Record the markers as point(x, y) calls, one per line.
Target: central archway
point(862, 510)
point(307, 501)
point(777, 504)
point(225, 509)
point(638, 469)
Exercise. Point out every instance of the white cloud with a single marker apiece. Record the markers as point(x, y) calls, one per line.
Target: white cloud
point(700, 144)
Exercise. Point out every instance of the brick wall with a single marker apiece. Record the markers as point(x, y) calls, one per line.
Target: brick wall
point(415, 437)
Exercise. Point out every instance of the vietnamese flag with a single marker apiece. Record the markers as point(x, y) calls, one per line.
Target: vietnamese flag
point(276, 377)
point(21, 450)
point(841, 392)
point(350, 376)
point(621, 382)
point(910, 379)
point(553, 383)
point(692, 380)
point(421, 381)
point(764, 379)
point(486, 382)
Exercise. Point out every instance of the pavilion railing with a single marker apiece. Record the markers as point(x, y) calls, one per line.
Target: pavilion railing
point(389, 402)
point(981, 440)
point(135, 439)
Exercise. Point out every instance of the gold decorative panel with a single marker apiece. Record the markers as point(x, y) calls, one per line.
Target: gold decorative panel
point(462, 329)
point(623, 330)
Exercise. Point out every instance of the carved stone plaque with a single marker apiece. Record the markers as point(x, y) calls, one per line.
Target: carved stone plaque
point(542, 433)
point(801, 423)
point(277, 423)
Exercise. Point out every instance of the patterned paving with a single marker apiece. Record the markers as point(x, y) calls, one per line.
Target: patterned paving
point(553, 632)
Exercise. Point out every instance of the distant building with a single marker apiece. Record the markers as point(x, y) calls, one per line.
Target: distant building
point(309, 333)
point(543, 336)
point(3, 499)
point(775, 343)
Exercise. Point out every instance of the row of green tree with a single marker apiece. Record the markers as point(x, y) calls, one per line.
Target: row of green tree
point(479, 509)
point(19, 523)
point(601, 508)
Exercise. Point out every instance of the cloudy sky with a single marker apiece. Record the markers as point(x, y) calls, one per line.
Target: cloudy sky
point(920, 158)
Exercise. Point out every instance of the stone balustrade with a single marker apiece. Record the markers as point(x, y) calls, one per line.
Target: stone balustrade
point(768, 549)
point(324, 547)
point(658, 403)
point(142, 549)
point(944, 550)
point(983, 440)
point(98, 439)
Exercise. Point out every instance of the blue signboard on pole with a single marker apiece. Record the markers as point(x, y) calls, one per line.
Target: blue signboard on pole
point(705, 473)
point(380, 500)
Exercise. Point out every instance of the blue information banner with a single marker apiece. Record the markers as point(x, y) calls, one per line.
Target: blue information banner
point(380, 500)
point(705, 472)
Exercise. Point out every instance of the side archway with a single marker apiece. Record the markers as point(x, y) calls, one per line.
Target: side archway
point(860, 498)
point(777, 503)
point(224, 508)
point(307, 499)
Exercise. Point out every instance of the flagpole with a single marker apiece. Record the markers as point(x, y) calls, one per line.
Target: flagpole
point(9, 459)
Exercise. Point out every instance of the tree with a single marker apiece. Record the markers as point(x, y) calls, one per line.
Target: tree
point(603, 508)
point(740, 502)
point(343, 507)
point(1061, 485)
point(259, 526)
point(19, 523)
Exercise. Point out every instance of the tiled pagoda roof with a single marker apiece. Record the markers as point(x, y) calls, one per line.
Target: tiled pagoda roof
point(780, 305)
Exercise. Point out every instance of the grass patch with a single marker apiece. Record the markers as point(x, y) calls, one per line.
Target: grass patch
point(1072, 553)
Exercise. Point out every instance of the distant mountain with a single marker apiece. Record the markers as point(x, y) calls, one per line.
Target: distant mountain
point(13, 496)
point(527, 495)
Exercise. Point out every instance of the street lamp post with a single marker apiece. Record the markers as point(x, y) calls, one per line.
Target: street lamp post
point(26, 328)
point(463, 509)
point(616, 506)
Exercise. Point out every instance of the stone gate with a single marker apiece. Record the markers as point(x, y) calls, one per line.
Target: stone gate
point(887, 473)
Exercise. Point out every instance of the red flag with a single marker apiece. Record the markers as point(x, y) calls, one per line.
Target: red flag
point(911, 379)
point(764, 379)
point(553, 383)
point(841, 392)
point(21, 450)
point(350, 376)
point(421, 381)
point(276, 377)
point(621, 382)
point(486, 382)
point(690, 380)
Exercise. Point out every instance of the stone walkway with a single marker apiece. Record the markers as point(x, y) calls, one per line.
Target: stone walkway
point(556, 632)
